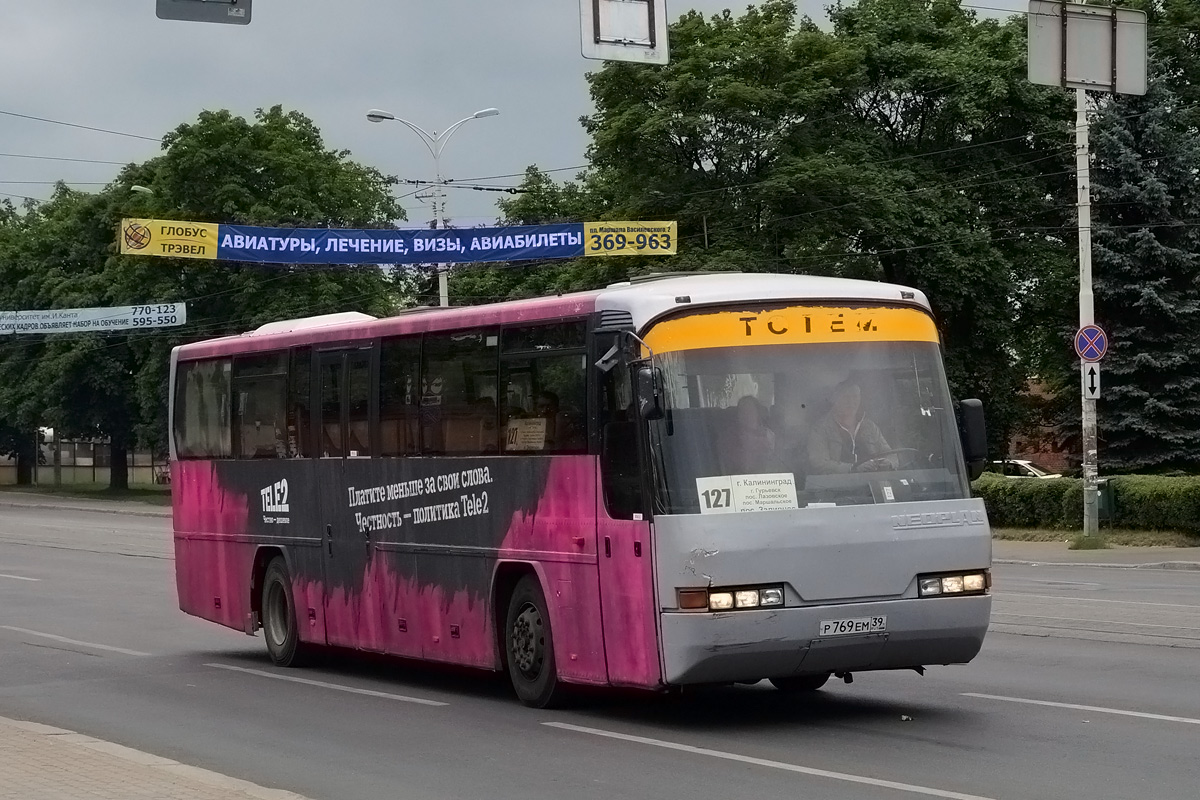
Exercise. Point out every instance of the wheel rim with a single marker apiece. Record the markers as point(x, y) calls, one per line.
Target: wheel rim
point(528, 644)
point(277, 614)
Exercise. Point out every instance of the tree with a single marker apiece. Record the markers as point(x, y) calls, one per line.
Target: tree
point(274, 170)
point(906, 145)
point(1147, 280)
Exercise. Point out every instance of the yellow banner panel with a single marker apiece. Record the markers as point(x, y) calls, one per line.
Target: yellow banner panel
point(793, 325)
point(162, 237)
point(630, 238)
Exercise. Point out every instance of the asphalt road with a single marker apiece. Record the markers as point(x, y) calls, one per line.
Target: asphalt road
point(1086, 688)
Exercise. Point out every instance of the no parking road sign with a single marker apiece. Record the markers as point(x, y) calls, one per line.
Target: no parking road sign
point(1091, 343)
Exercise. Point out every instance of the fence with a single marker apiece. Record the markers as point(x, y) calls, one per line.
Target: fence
point(86, 462)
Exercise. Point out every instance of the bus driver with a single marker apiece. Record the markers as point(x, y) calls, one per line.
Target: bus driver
point(845, 440)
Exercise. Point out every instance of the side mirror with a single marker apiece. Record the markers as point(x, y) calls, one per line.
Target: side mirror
point(645, 380)
point(973, 432)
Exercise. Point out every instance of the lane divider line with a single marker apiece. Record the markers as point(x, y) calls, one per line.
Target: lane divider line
point(19, 577)
point(324, 685)
point(763, 762)
point(65, 640)
point(1006, 595)
point(1076, 707)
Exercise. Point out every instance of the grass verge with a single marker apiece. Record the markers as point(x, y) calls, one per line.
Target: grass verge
point(152, 495)
point(1110, 536)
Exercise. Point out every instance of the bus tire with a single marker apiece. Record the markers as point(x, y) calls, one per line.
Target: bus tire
point(280, 628)
point(529, 646)
point(795, 684)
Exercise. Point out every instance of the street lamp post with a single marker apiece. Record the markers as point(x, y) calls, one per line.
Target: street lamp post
point(435, 143)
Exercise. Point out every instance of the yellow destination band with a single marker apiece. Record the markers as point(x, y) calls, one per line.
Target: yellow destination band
point(630, 238)
point(163, 237)
point(792, 325)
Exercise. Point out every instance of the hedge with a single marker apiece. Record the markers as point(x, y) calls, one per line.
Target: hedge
point(1139, 502)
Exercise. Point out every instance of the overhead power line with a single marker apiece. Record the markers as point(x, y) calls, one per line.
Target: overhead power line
point(81, 127)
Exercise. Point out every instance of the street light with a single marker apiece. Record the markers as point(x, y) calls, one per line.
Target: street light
point(140, 189)
point(434, 143)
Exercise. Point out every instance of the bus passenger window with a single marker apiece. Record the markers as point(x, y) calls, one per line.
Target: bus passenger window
point(331, 408)
point(458, 393)
point(202, 414)
point(358, 405)
point(259, 416)
point(546, 408)
point(299, 411)
point(399, 374)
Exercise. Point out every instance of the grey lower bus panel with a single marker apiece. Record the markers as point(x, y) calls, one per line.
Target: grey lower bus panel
point(842, 562)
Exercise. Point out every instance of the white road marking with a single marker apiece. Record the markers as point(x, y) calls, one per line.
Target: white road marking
point(65, 640)
point(19, 577)
point(1003, 595)
point(324, 685)
point(762, 762)
point(1076, 707)
point(1099, 621)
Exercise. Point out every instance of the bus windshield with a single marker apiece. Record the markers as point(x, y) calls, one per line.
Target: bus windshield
point(776, 426)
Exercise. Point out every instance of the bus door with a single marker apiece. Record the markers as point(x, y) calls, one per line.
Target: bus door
point(345, 411)
point(627, 600)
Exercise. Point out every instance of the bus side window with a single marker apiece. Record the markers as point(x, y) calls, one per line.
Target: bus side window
point(458, 393)
point(299, 415)
point(259, 387)
point(399, 379)
point(620, 468)
point(202, 418)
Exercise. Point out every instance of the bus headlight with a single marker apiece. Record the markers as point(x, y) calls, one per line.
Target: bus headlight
point(729, 599)
point(955, 583)
point(720, 601)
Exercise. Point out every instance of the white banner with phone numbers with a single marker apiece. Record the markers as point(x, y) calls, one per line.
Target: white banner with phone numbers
point(83, 320)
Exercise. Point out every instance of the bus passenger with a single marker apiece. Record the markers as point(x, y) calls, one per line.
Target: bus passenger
point(750, 444)
point(845, 440)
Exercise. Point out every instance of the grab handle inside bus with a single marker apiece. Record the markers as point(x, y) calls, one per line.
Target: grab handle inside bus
point(973, 431)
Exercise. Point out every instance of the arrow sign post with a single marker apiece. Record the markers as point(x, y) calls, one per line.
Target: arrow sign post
point(1091, 381)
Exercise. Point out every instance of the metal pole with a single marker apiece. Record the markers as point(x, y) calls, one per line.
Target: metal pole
point(438, 193)
point(1091, 520)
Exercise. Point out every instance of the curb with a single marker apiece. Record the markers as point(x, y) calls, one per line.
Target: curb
point(59, 506)
point(144, 759)
point(1176, 565)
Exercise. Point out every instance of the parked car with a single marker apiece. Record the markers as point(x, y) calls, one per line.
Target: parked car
point(1018, 468)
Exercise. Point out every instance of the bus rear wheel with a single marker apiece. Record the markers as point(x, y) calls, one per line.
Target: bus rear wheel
point(280, 628)
point(796, 684)
point(529, 646)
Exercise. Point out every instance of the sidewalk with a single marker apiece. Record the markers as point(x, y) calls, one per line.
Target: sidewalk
point(1057, 554)
point(71, 503)
point(38, 762)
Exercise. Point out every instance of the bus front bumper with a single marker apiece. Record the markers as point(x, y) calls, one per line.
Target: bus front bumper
point(751, 645)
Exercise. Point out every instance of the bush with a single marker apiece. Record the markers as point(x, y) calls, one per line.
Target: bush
point(1028, 502)
point(1140, 502)
point(1155, 502)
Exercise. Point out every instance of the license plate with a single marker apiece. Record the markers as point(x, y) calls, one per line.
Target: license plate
point(846, 627)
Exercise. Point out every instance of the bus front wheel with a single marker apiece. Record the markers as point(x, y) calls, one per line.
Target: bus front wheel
point(800, 683)
point(529, 646)
point(280, 628)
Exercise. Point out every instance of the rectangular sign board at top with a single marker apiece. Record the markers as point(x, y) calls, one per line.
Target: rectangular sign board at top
point(320, 246)
point(231, 12)
point(86, 320)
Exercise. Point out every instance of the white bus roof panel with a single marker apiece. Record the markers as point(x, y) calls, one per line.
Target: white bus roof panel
point(648, 299)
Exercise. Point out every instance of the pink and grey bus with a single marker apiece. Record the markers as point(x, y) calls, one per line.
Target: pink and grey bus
point(672, 481)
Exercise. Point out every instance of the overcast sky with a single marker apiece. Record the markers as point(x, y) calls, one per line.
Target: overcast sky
point(112, 64)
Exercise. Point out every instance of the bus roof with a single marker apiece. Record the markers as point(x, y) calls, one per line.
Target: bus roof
point(638, 302)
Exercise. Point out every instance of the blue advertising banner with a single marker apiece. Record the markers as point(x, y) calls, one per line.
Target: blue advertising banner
point(175, 239)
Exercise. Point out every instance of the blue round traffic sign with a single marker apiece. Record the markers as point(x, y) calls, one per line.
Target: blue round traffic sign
point(1091, 343)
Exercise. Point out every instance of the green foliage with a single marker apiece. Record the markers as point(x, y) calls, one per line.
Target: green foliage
point(273, 170)
point(1028, 503)
point(1140, 502)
